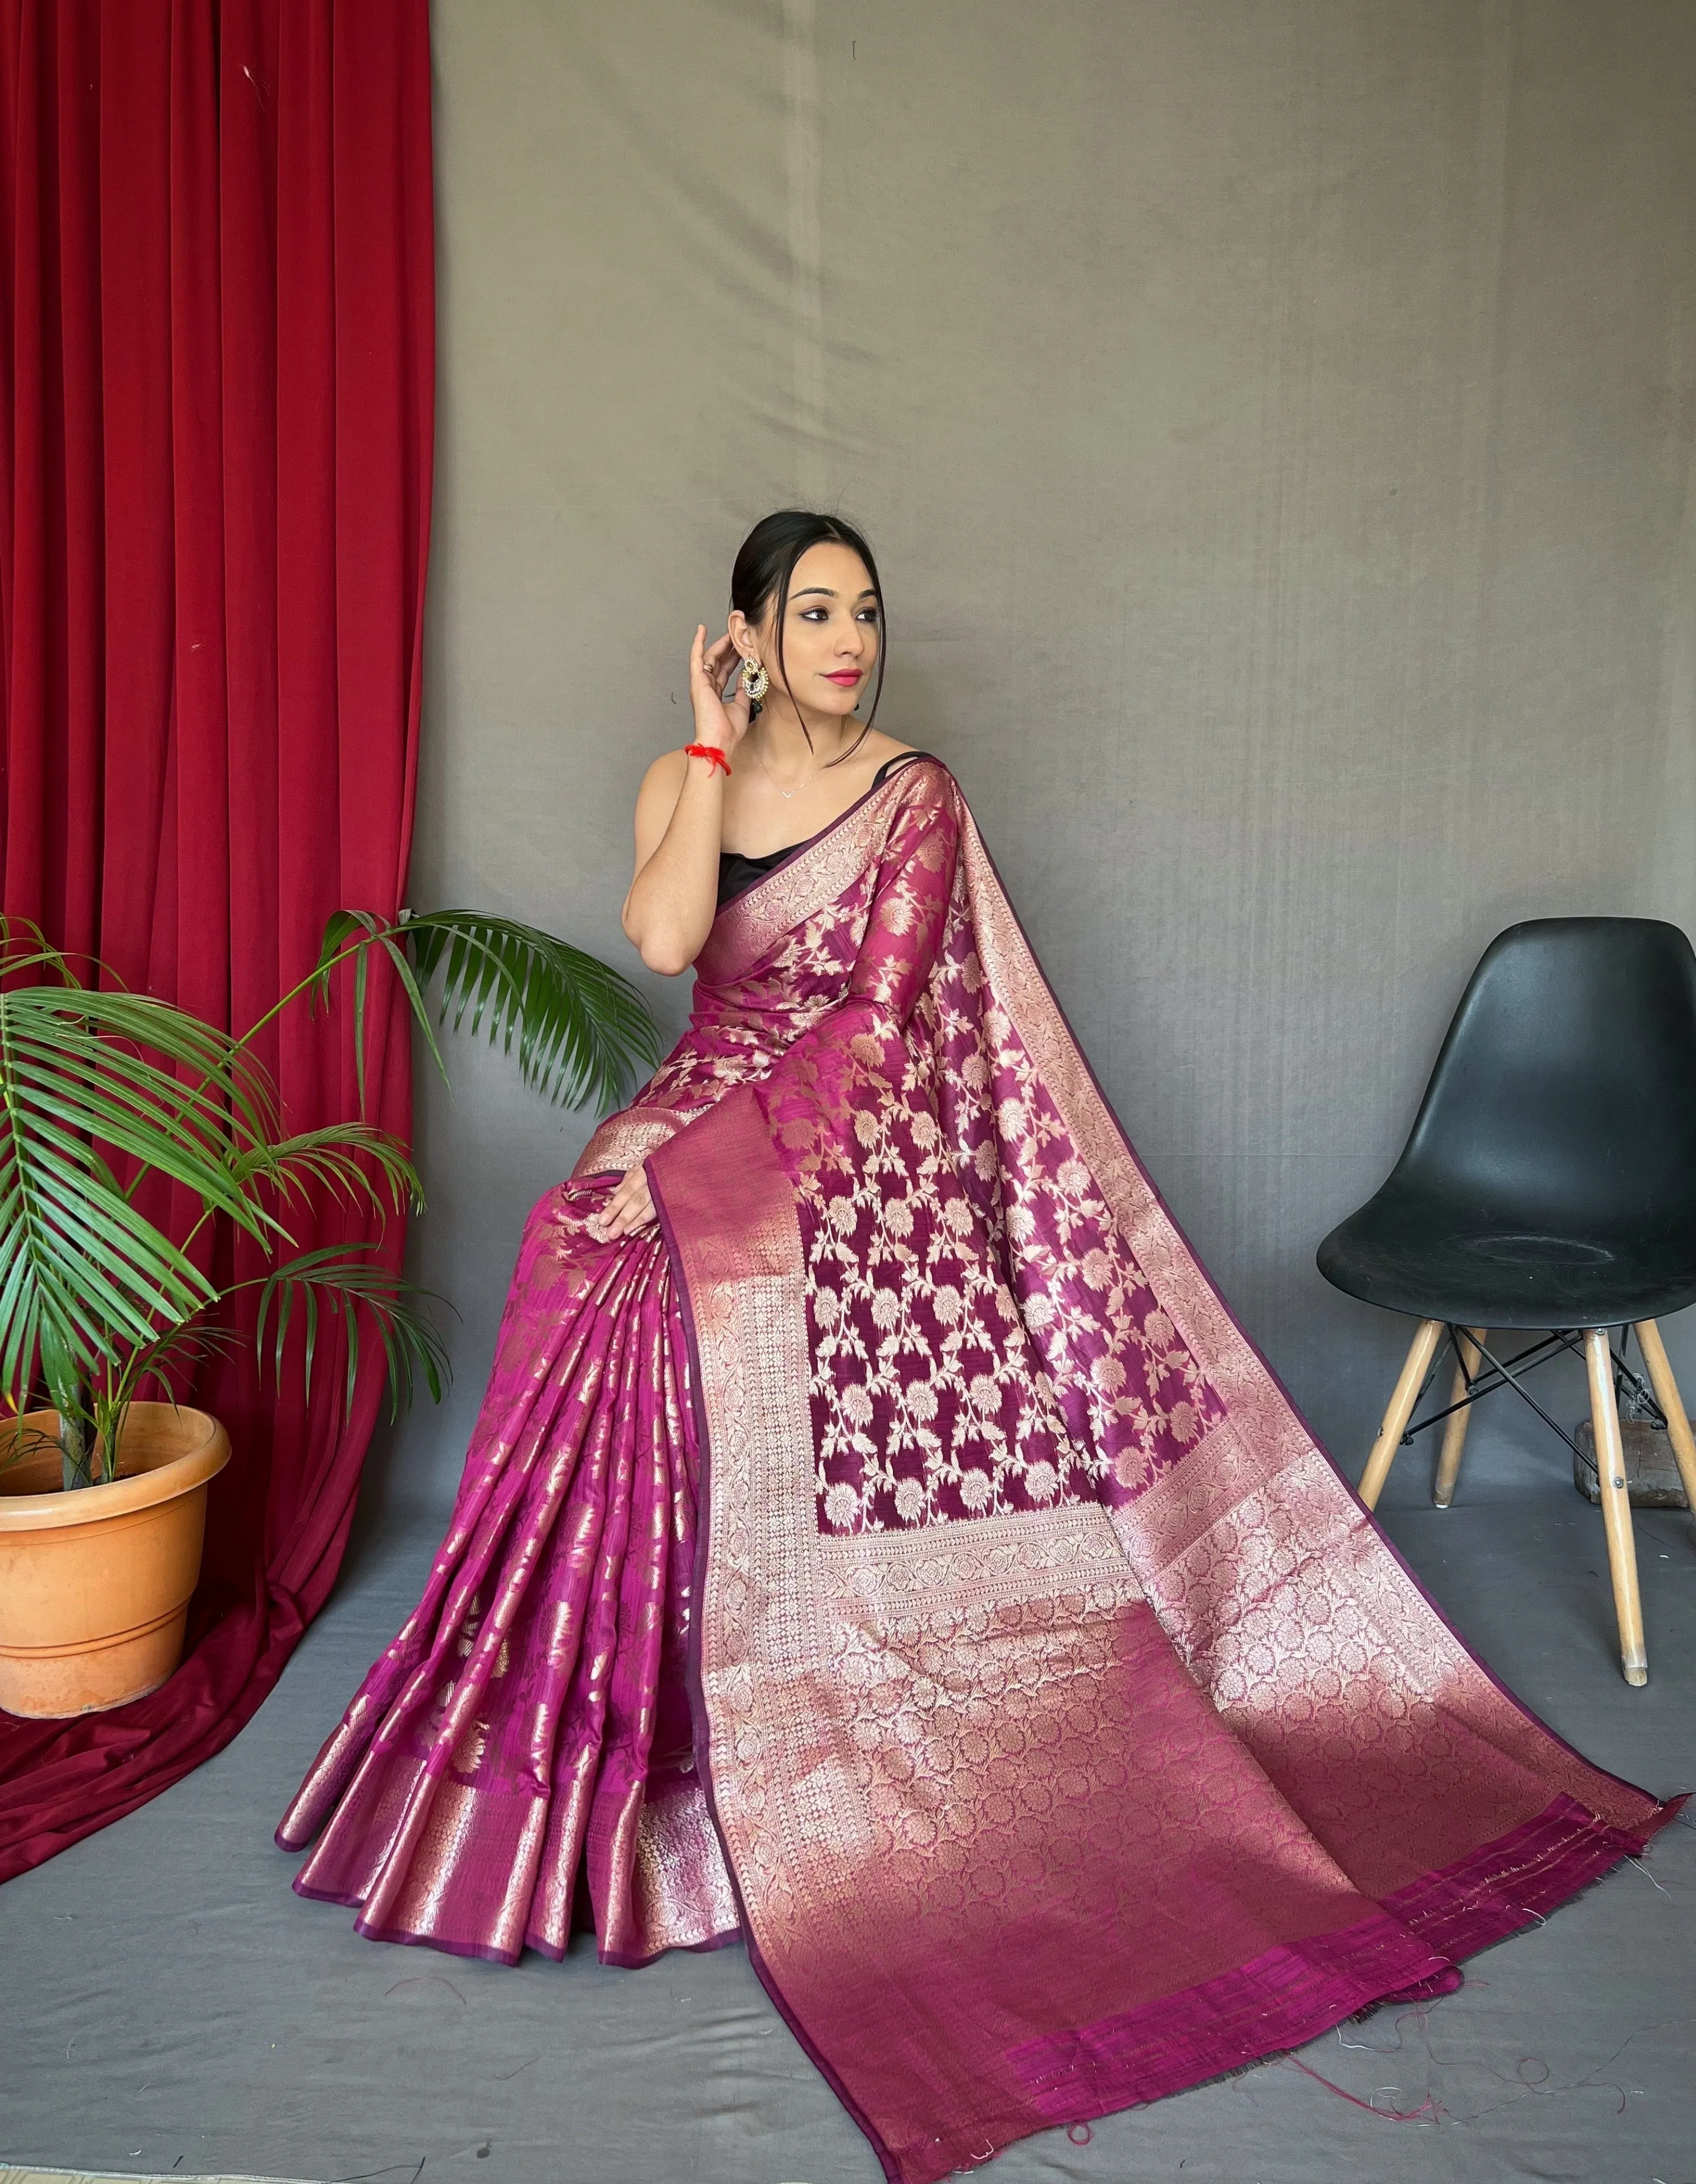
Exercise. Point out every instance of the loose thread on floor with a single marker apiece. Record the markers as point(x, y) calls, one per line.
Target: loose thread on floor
point(1429, 2110)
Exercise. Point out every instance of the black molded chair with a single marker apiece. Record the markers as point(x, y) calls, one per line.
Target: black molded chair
point(1549, 1183)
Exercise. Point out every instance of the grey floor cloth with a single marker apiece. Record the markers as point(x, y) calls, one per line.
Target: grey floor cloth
point(168, 2003)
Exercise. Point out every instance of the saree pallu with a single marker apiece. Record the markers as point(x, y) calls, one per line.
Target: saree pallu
point(904, 1562)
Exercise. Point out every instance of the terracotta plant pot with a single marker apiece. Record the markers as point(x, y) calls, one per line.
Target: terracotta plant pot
point(95, 1584)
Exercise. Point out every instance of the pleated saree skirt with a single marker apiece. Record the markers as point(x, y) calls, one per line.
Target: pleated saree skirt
point(530, 1723)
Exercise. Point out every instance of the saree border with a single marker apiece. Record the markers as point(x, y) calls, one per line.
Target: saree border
point(1499, 1888)
point(976, 1560)
point(626, 1140)
point(694, 1253)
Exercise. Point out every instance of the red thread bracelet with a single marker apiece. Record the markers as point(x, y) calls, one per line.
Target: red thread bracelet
point(711, 753)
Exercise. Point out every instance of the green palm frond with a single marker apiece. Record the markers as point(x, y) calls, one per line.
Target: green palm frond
point(79, 1267)
point(173, 1356)
point(354, 1162)
point(19, 1440)
point(580, 1029)
point(344, 1283)
point(230, 1079)
point(227, 1073)
point(26, 947)
point(109, 1062)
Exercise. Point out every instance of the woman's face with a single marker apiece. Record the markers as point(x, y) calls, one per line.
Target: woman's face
point(830, 632)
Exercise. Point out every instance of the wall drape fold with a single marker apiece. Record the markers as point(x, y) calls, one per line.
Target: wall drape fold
point(217, 382)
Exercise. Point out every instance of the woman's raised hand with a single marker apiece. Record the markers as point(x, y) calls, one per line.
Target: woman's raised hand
point(724, 726)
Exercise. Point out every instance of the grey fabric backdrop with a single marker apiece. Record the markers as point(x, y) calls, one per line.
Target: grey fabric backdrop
point(1275, 419)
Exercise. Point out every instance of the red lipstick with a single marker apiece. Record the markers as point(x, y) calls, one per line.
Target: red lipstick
point(848, 676)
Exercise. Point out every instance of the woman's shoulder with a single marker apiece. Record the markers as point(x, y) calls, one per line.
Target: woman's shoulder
point(908, 762)
point(885, 755)
point(878, 749)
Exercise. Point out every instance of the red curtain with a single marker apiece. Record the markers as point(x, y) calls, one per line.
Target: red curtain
point(215, 442)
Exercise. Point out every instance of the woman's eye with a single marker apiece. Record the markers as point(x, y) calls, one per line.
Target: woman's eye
point(815, 614)
point(869, 614)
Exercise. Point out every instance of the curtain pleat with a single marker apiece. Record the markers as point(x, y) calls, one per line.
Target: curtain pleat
point(216, 417)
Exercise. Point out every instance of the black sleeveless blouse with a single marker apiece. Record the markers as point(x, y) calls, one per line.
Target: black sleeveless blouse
point(737, 873)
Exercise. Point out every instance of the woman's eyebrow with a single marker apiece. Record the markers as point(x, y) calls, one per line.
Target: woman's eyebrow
point(823, 590)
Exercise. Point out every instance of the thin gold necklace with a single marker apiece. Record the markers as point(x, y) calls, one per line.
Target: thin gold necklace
point(786, 793)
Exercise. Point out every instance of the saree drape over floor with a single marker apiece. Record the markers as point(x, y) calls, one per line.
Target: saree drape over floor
point(906, 1562)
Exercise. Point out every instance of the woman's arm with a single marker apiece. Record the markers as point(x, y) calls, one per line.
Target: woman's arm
point(680, 824)
point(673, 898)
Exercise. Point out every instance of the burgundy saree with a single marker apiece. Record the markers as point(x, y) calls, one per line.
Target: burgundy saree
point(905, 1561)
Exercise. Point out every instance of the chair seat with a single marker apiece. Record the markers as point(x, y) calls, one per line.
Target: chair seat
point(1548, 1182)
point(1415, 1252)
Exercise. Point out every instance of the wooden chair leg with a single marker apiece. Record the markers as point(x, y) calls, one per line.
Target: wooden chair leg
point(1455, 1433)
point(1617, 1508)
point(1421, 1352)
point(1667, 1395)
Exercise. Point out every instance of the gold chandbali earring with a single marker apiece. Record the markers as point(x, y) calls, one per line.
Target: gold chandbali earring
point(755, 681)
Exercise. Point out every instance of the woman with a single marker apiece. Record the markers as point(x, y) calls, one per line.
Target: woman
point(879, 1541)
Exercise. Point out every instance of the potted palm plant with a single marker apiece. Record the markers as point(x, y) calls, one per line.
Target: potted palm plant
point(107, 1098)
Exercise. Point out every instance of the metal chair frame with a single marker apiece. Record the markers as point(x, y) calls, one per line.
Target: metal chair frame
point(1632, 1394)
